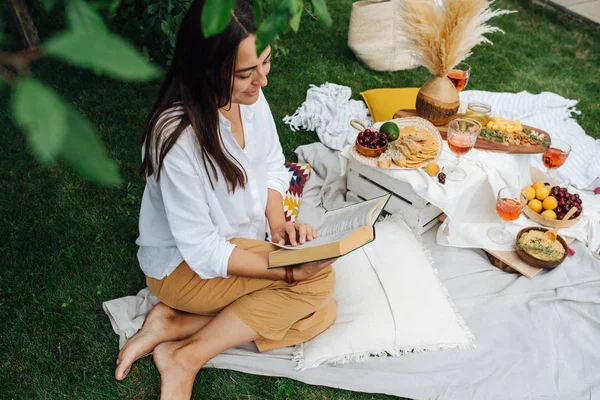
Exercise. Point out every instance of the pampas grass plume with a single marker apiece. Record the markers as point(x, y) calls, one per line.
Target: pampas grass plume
point(442, 33)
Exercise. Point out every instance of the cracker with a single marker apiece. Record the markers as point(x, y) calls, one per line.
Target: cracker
point(404, 149)
point(407, 130)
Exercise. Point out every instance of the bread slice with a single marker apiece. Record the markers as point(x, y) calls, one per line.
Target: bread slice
point(384, 161)
point(398, 158)
point(413, 146)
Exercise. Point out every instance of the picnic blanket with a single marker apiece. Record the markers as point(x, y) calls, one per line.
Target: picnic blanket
point(536, 339)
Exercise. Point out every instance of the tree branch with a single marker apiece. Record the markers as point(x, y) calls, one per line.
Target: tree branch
point(26, 25)
point(20, 61)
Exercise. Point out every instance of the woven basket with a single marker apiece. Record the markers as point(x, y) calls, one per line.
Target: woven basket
point(373, 36)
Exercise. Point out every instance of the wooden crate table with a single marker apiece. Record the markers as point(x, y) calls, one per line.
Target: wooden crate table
point(365, 183)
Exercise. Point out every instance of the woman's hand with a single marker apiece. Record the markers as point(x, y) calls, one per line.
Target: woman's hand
point(293, 234)
point(305, 271)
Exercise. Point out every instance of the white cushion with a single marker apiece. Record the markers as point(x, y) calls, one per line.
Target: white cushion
point(390, 301)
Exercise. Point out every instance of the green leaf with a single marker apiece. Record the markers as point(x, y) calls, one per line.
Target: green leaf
point(80, 16)
point(295, 21)
point(49, 5)
point(164, 25)
point(101, 52)
point(110, 5)
point(152, 8)
point(56, 129)
point(178, 19)
point(215, 16)
point(266, 32)
point(84, 152)
point(289, 7)
point(321, 11)
point(257, 12)
point(41, 112)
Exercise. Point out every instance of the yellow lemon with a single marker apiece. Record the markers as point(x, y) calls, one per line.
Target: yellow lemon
point(537, 185)
point(432, 169)
point(542, 192)
point(549, 214)
point(535, 205)
point(550, 203)
point(529, 192)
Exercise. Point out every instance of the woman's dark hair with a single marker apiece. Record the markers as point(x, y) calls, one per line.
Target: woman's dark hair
point(199, 80)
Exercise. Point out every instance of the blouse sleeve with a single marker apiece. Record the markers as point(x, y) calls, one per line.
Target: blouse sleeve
point(185, 202)
point(277, 175)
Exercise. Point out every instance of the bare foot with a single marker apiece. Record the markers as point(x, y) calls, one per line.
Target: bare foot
point(176, 377)
point(153, 332)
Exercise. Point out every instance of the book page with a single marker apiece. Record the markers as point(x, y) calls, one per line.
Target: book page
point(320, 240)
point(340, 223)
point(350, 218)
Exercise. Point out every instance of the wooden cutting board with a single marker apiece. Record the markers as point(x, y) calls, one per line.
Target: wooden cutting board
point(483, 144)
point(509, 261)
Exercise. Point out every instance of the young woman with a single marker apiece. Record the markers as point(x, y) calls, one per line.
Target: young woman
point(214, 179)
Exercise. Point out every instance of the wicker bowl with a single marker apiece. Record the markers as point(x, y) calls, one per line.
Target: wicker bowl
point(535, 262)
point(551, 223)
point(365, 151)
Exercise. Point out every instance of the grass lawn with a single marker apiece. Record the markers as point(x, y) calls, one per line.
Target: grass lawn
point(67, 245)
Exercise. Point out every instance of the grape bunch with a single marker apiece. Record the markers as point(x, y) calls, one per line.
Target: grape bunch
point(566, 201)
point(372, 140)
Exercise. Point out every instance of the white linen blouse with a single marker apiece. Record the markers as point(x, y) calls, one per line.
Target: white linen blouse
point(183, 218)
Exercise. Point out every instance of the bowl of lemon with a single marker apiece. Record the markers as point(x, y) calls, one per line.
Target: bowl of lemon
point(547, 205)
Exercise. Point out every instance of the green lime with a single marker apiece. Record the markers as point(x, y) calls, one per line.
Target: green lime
point(391, 129)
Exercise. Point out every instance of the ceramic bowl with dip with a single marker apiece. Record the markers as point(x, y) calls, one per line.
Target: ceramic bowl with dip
point(533, 247)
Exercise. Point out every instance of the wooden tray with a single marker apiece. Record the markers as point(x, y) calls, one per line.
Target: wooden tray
point(509, 261)
point(483, 144)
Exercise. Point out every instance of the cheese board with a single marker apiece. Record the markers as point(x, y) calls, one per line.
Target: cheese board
point(484, 144)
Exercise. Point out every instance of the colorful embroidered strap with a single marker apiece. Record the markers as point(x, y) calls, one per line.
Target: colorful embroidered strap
point(299, 174)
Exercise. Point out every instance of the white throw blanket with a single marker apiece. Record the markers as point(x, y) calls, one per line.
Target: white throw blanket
point(328, 111)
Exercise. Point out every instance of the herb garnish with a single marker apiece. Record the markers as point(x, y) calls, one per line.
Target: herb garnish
point(537, 137)
point(493, 135)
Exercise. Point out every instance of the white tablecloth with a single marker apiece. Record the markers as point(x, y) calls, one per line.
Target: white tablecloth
point(470, 204)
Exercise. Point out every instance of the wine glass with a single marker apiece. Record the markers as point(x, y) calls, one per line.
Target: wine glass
point(459, 76)
point(555, 155)
point(462, 135)
point(508, 208)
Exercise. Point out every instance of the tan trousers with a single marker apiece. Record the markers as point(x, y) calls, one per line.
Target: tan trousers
point(282, 314)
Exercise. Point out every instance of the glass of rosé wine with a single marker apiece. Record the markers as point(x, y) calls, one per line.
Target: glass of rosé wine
point(459, 75)
point(462, 135)
point(555, 155)
point(508, 208)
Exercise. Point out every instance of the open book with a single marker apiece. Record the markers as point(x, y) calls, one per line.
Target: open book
point(342, 231)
